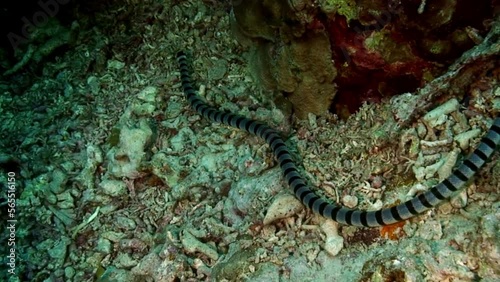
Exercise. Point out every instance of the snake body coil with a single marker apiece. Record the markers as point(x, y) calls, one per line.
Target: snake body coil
point(413, 207)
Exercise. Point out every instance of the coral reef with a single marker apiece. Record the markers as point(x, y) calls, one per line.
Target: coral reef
point(287, 58)
point(42, 43)
point(368, 50)
point(118, 180)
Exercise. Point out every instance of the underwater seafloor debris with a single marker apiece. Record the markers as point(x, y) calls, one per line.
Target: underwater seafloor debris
point(122, 181)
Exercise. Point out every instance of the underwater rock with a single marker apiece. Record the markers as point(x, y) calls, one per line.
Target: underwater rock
point(184, 137)
point(234, 264)
point(174, 108)
point(143, 109)
point(266, 271)
point(59, 179)
point(124, 260)
point(333, 242)
point(43, 41)
point(283, 206)
point(59, 251)
point(112, 273)
point(148, 267)
point(346, 8)
point(103, 246)
point(167, 168)
point(145, 103)
point(487, 247)
point(193, 245)
point(113, 188)
point(69, 272)
point(303, 69)
point(217, 69)
point(350, 201)
point(125, 159)
point(125, 223)
point(379, 48)
point(286, 58)
point(244, 199)
point(65, 201)
point(94, 159)
point(148, 94)
point(252, 20)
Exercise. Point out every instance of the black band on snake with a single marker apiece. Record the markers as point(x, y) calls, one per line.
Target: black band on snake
point(406, 210)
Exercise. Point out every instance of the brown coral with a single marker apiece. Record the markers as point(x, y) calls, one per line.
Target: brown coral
point(379, 48)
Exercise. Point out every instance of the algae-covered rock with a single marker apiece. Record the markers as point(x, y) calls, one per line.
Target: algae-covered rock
point(342, 7)
point(94, 159)
point(379, 48)
point(167, 168)
point(304, 69)
point(124, 160)
point(113, 188)
point(252, 20)
point(58, 181)
point(192, 245)
point(244, 196)
point(59, 250)
point(234, 266)
point(287, 57)
point(154, 268)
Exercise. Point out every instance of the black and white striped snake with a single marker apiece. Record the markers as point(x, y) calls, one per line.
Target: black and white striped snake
point(386, 216)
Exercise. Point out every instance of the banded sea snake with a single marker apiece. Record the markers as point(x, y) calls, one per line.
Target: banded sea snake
point(385, 216)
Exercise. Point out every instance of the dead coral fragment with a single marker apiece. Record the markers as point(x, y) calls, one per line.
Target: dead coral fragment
point(333, 242)
point(193, 245)
point(284, 206)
